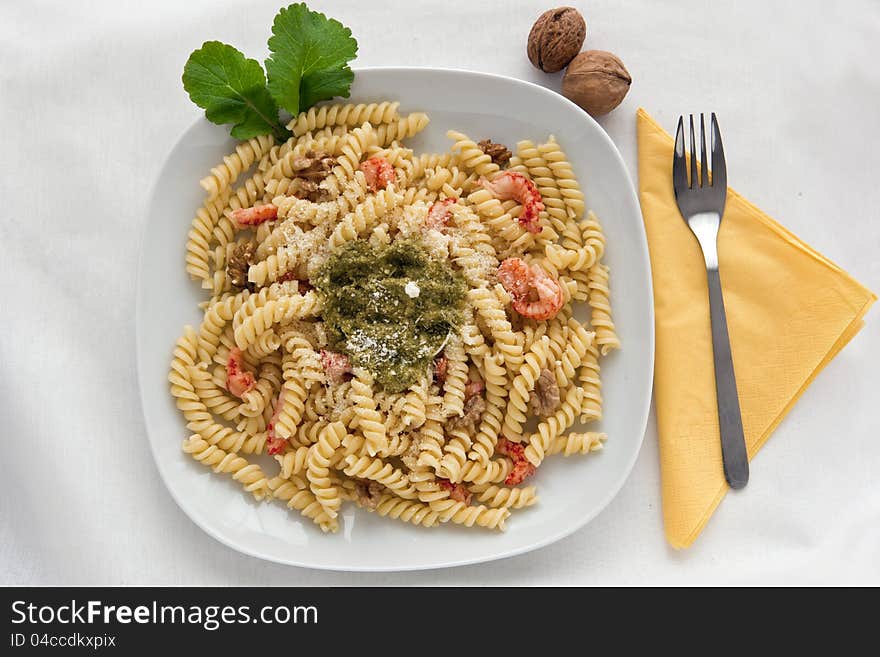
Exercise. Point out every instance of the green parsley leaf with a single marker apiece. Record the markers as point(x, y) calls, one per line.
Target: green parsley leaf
point(309, 60)
point(231, 89)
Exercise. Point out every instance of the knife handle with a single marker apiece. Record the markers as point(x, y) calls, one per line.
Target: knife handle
point(733, 443)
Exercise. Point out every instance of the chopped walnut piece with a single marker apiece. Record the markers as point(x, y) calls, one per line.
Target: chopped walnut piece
point(474, 406)
point(545, 398)
point(368, 493)
point(238, 264)
point(314, 165)
point(309, 190)
point(309, 170)
point(499, 153)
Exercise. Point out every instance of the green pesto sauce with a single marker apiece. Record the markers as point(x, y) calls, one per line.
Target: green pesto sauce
point(369, 315)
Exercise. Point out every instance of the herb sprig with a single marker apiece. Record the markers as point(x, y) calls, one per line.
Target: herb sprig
point(308, 63)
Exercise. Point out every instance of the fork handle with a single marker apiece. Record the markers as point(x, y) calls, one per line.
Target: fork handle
point(733, 443)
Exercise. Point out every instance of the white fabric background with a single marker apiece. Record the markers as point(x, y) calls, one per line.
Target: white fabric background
point(91, 102)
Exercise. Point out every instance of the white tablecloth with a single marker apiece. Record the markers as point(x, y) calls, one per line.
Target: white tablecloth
point(90, 104)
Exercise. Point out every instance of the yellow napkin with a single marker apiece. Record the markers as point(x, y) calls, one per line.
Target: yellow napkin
point(790, 310)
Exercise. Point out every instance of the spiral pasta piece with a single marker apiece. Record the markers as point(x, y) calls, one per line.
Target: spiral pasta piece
point(591, 383)
point(539, 442)
point(241, 159)
point(565, 178)
point(276, 311)
point(368, 419)
point(503, 496)
point(463, 514)
point(475, 344)
point(455, 452)
point(307, 433)
point(293, 461)
point(413, 409)
point(410, 511)
point(364, 217)
point(303, 500)
point(483, 473)
point(265, 344)
point(606, 337)
point(592, 236)
point(537, 169)
point(291, 399)
point(432, 436)
point(456, 378)
point(471, 156)
point(250, 475)
point(425, 161)
point(521, 389)
point(490, 309)
point(577, 443)
point(320, 457)
point(182, 389)
point(577, 341)
point(214, 398)
point(404, 128)
point(375, 469)
point(495, 379)
point(349, 115)
point(201, 236)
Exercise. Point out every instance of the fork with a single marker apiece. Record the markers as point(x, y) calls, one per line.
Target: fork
point(701, 199)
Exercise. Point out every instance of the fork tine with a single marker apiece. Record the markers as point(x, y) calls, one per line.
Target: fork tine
point(694, 180)
point(679, 166)
point(719, 167)
point(704, 163)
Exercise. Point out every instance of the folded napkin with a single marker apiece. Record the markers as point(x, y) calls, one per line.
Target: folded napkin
point(789, 309)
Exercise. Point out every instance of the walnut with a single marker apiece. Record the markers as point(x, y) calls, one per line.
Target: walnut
point(307, 189)
point(473, 411)
point(238, 264)
point(545, 398)
point(556, 37)
point(368, 493)
point(314, 165)
point(499, 153)
point(309, 170)
point(597, 81)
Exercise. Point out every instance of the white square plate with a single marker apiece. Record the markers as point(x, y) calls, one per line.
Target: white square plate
point(572, 491)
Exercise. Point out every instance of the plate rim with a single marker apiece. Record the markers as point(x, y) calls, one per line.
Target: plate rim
point(568, 530)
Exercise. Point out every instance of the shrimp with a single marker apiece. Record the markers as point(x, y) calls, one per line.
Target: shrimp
point(457, 492)
point(255, 215)
point(438, 215)
point(522, 467)
point(378, 172)
point(473, 389)
point(536, 294)
point(513, 185)
point(336, 365)
point(238, 380)
point(275, 444)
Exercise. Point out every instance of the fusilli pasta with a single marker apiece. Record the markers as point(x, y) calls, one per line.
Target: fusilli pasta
point(267, 372)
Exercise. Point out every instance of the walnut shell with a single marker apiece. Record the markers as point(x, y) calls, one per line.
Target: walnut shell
point(556, 37)
point(597, 81)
